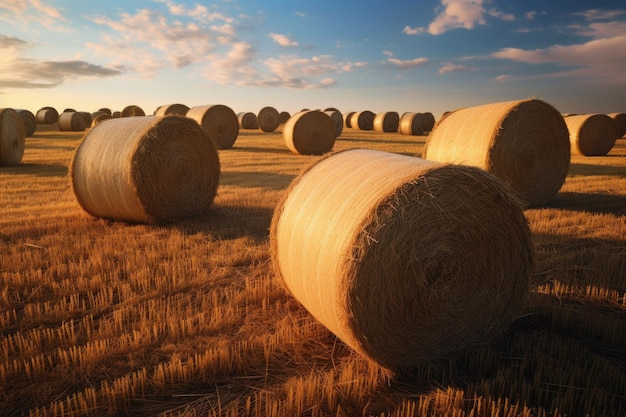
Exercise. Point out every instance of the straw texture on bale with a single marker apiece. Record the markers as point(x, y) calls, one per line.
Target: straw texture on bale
point(337, 119)
point(524, 143)
point(175, 109)
point(402, 258)
point(72, 121)
point(12, 137)
point(409, 124)
point(620, 122)
point(284, 116)
point(363, 120)
point(347, 119)
point(132, 110)
point(145, 169)
point(30, 122)
point(247, 120)
point(591, 134)
point(268, 119)
point(219, 122)
point(100, 118)
point(309, 133)
point(47, 116)
point(386, 121)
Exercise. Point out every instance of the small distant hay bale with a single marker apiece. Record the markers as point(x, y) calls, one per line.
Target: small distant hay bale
point(47, 115)
point(132, 111)
point(247, 120)
point(386, 121)
point(426, 121)
point(30, 122)
point(524, 143)
point(116, 114)
point(268, 119)
point(72, 121)
point(410, 124)
point(12, 137)
point(105, 110)
point(309, 133)
point(347, 119)
point(100, 118)
point(363, 120)
point(283, 116)
point(591, 134)
point(620, 122)
point(145, 169)
point(174, 109)
point(337, 119)
point(88, 118)
point(332, 109)
point(403, 259)
point(219, 122)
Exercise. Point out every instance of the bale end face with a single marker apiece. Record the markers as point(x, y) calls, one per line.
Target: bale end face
point(12, 137)
point(309, 133)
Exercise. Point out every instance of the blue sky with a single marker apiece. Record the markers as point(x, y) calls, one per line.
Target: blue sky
point(379, 55)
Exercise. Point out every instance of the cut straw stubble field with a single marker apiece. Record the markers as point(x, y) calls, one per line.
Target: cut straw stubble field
point(102, 317)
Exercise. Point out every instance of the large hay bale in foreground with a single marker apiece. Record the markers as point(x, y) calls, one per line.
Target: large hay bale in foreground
point(309, 132)
point(174, 109)
point(386, 121)
point(620, 122)
point(132, 111)
point(72, 121)
point(268, 119)
point(145, 169)
point(47, 115)
point(402, 258)
point(247, 120)
point(363, 120)
point(337, 119)
point(12, 137)
point(219, 122)
point(591, 134)
point(524, 143)
point(29, 119)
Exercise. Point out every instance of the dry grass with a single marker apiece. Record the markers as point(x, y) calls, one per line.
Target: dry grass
point(114, 318)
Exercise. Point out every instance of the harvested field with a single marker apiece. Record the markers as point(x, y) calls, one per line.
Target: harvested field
point(189, 318)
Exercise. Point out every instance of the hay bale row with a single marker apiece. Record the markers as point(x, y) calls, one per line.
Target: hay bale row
point(620, 122)
point(145, 169)
point(174, 109)
point(309, 132)
point(591, 134)
point(72, 121)
point(29, 119)
point(337, 120)
point(47, 115)
point(247, 120)
point(12, 137)
point(268, 119)
point(386, 121)
point(363, 120)
point(524, 143)
point(219, 122)
point(402, 258)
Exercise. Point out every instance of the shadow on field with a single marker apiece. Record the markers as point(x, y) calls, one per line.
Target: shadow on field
point(254, 149)
point(590, 202)
point(599, 170)
point(253, 179)
point(39, 170)
point(373, 139)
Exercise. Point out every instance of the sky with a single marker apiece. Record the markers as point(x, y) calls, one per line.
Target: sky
point(377, 55)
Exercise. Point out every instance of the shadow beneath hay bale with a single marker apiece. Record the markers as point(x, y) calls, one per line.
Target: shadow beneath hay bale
point(596, 170)
point(590, 202)
point(377, 140)
point(39, 170)
point(254, 149)
point(53, 147)
point(255, 179)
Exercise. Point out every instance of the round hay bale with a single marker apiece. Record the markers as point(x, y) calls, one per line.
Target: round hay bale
point(332, 109)
point(284, 116)
point(219, 122)
point(116, 114)
point(386, 121)
point(347, 119)
point(402, 258)
point(247, 120)
point(175, 109)
point(524, 143)
point(145, 169)
point(105, 110)
point(12, 137)
point(409, 124)
point(72, 121)
point(132, 111)
point(426, 121)
point(620, 122)
point(47, 115)
point(309, 133)
point(30, 122)
point(591, 134)
point(337, 119)
point(363, 120)
point(88, 118)
point(268, 119)
point(100, 118)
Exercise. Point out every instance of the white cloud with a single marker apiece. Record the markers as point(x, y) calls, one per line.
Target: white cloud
point(530, 15)
point(388, 53)
point(413, 31)
point(502, 77)
point(409, 63)
point(300, 14)
point(599, 14)
point(501, 15)
point(604, 30)
point(451, 68)
point(33, 11)
point(283, 40)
